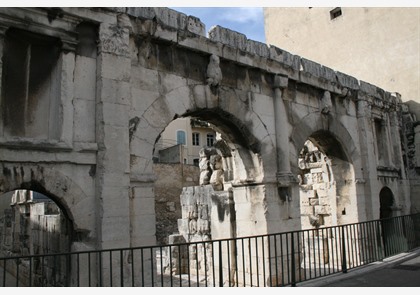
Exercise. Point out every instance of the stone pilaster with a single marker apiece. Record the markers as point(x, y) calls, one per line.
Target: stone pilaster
point(112, 135)
point(366, 189)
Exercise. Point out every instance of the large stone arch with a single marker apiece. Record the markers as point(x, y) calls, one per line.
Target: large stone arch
point(226, 108)
point(50, 181)
point(231, 111)
point(333, 140)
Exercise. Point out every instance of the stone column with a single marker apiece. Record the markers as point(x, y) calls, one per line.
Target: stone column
point(284, 175)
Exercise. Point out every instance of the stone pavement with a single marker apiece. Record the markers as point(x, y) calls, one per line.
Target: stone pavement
point(402, 270)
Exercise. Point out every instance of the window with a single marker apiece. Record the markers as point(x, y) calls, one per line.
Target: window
point(180, 137)
point(210, 139)
point(196, 138)
point(336, 12)
point(31, 85)
point(196, 162)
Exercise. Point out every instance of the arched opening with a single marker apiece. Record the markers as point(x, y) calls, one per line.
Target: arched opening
point(327, 193)
point(386, 199)
point(327, 196)
point(213, 157)
point(31, 223)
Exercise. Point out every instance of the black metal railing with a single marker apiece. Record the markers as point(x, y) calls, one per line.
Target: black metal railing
point(282, 259)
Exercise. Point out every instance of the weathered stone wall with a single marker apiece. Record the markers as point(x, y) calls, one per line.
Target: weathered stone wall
point(171, 178)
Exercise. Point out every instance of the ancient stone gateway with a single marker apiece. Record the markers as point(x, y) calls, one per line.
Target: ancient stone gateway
point(86, 94)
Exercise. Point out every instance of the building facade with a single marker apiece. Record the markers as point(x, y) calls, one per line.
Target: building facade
point(380, 45)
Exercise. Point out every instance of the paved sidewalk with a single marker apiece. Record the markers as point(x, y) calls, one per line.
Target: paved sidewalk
point(402, 270)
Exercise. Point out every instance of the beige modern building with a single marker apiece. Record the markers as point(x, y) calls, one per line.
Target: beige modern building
point(380, 46)
point(182, 140)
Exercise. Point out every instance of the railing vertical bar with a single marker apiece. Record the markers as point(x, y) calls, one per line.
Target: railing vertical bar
point(243, 262)
point(299, 248)
point(170, 265)
point(212, 262)
point(196, 265)
point(352, 242)
point(188, 265)
point(142, 267)
point(17, 272)
point(293, 266)
point(269, 261)
point(228, 261)
point(330, 248)
point(100, 268)
point(132, 267)
point(343, 251)
point(263, 260)
point(78, 269)
point(110, 268)
point(250, 262)
point(220, 265)
point(151, 264)
point(42, 271)
point(257, 261)
point(236, 262)
point(121, 268)
point(371, 242)
point(179, 266)
point(309, 254)
point(314, 248)
point(323, 250)
point(30, 271)
point(275, 259)
point(4, 272)
point(361, 244)
point(319, 254)
point(336, 268)
point(89, 270)
point(287, 261)
point(161, 265)
point(375, 235)
point(205, 266)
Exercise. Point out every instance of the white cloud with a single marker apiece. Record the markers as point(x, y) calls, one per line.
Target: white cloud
point(242, 14)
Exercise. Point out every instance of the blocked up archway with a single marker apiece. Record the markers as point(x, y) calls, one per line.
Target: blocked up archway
point(327, 192)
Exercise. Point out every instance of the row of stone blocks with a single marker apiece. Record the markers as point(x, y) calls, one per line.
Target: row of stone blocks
point(178, 21)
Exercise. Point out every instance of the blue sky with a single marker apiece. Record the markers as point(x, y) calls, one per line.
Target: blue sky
point(245, 20)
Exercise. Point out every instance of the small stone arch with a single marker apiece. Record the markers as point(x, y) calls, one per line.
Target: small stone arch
point(341, 189)
point(386, 201)
point(50, 182)
point(315, 124)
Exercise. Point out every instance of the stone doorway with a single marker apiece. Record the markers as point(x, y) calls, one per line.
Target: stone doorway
point(386, 199)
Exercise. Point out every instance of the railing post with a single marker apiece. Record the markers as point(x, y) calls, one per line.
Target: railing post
point(293, 264)
point(343, 247)
point(220, 265)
